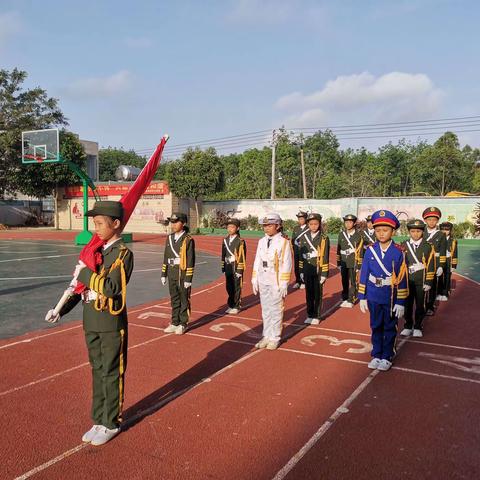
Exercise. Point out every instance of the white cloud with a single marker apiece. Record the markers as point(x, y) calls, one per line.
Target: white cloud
point(94, 87)
point(10, 24)
point(138, 42)
point(393, 96)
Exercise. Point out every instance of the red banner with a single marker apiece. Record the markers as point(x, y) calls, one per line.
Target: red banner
point(116, 189)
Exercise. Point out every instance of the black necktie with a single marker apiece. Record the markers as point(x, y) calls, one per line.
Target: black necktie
point(268, 242)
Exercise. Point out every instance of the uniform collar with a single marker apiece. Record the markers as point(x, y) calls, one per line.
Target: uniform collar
point(231, 238)
point(313, 235)
point(177, 236)
point(109, 244)
point(434, 230)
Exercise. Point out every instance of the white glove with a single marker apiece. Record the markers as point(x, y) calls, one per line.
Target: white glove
point(426, 288)
point(454, 268)
point(439, 271)
point(302, 277)
point(363, 306)
point(399, 310)
point(164, 281)
point(314, 254)
point(187, 284)
point(283, 291)
point(339, 267)
point(255, 287)
point(322, 280)
point(52, 317)
point(238, 275)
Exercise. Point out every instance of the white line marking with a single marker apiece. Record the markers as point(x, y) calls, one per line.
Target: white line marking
point(150, 410)
point(466, 278)
point(38, 258)
point(439, 375)
point(9, 252)
point(35, 278)
point(66, 244)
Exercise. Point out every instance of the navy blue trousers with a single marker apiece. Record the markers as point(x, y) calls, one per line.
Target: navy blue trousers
point(384, 331)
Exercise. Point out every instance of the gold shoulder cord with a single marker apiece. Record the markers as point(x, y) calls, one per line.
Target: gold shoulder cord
point(320, 253)
point(101, 301)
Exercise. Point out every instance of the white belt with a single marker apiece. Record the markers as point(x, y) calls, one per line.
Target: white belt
point(173, 261)
point(348, 251)
point(89, 296)
point(230, 259)
point(416, 267)
point(380, 282)
point(308, 256)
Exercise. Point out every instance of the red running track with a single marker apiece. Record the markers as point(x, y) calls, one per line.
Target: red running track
point(209, 405)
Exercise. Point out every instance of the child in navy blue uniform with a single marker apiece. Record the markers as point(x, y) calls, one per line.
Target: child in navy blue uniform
point(383, 288)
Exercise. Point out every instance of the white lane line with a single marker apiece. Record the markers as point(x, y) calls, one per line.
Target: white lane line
point(138, 416)
point(53, 461)
point(66, 244)
point(46, 277)
point(444, 345)
point(68, 370)
point(162, 304)
point(466, 278)
point(439, 375)
point(340, 410)
point(38, 258)
point(9, 252)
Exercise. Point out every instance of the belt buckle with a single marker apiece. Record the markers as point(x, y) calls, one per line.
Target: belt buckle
point(171, 261)
point(379, 282)
point(265, 264)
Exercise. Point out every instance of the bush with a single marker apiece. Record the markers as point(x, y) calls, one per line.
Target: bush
point(288, 225)
point(252, 223)
point(333, 225)
point(464, 230)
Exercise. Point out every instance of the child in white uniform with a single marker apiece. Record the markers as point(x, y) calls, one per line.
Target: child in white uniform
point(271, 274)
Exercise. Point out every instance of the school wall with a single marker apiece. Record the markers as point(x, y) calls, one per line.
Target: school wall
point(151, 211)
point(454, 209)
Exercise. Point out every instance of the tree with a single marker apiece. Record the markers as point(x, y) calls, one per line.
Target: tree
point(21, 110)
point(111, 158)
point(196, 175)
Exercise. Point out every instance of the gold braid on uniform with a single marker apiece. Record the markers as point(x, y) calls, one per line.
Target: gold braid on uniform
point(320, 253)
point(102, 301)
point(429, 275)
point(240, 257)
point(396, 279)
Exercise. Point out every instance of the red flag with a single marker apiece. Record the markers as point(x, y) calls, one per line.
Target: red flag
point(89, 254)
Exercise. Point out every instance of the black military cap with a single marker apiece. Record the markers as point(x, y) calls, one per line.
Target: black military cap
point(431, 212)
point(446, 226)
point(177, 217)
point(108, 208)
point(350, 217)
point(369, 218)
point(314, 216)
point(302, 214)
point(420, 224)
point(234, 221)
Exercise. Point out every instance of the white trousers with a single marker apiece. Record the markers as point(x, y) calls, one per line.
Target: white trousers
point(272, 312)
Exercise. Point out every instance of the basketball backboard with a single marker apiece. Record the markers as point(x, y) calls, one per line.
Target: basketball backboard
point(39, 146)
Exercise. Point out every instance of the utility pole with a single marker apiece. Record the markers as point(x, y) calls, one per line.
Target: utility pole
point(304, 180)
point(274, 145)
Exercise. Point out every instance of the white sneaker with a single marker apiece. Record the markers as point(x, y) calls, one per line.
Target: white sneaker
point(88, 436)
point(272, 345)
point(296, 286)
point(104, 435)
point(228, 310)
point(438, 298)
point(308, 320)
point(374, 363)
point(234, 311)
point(443, 298)
point(384, 365)
point(430, 312)
point(262, 343)
point(347, 304)
point(406, 332)
point(180, 329)
point(302, 286)
point(170, 329)
point(315, 321)
point(417, 333)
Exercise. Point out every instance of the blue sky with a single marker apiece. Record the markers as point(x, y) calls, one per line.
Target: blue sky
point(126, 72)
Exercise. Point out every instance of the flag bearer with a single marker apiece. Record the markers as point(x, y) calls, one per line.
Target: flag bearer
point(383, 289)
point(233, 264)
point(420, 259)
point(349, 259)
point(178, 266)
point(451, 263)
point(105, 320)
point(437, 239)
point(298, 232)
point(314, 251)
point(271, 273)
